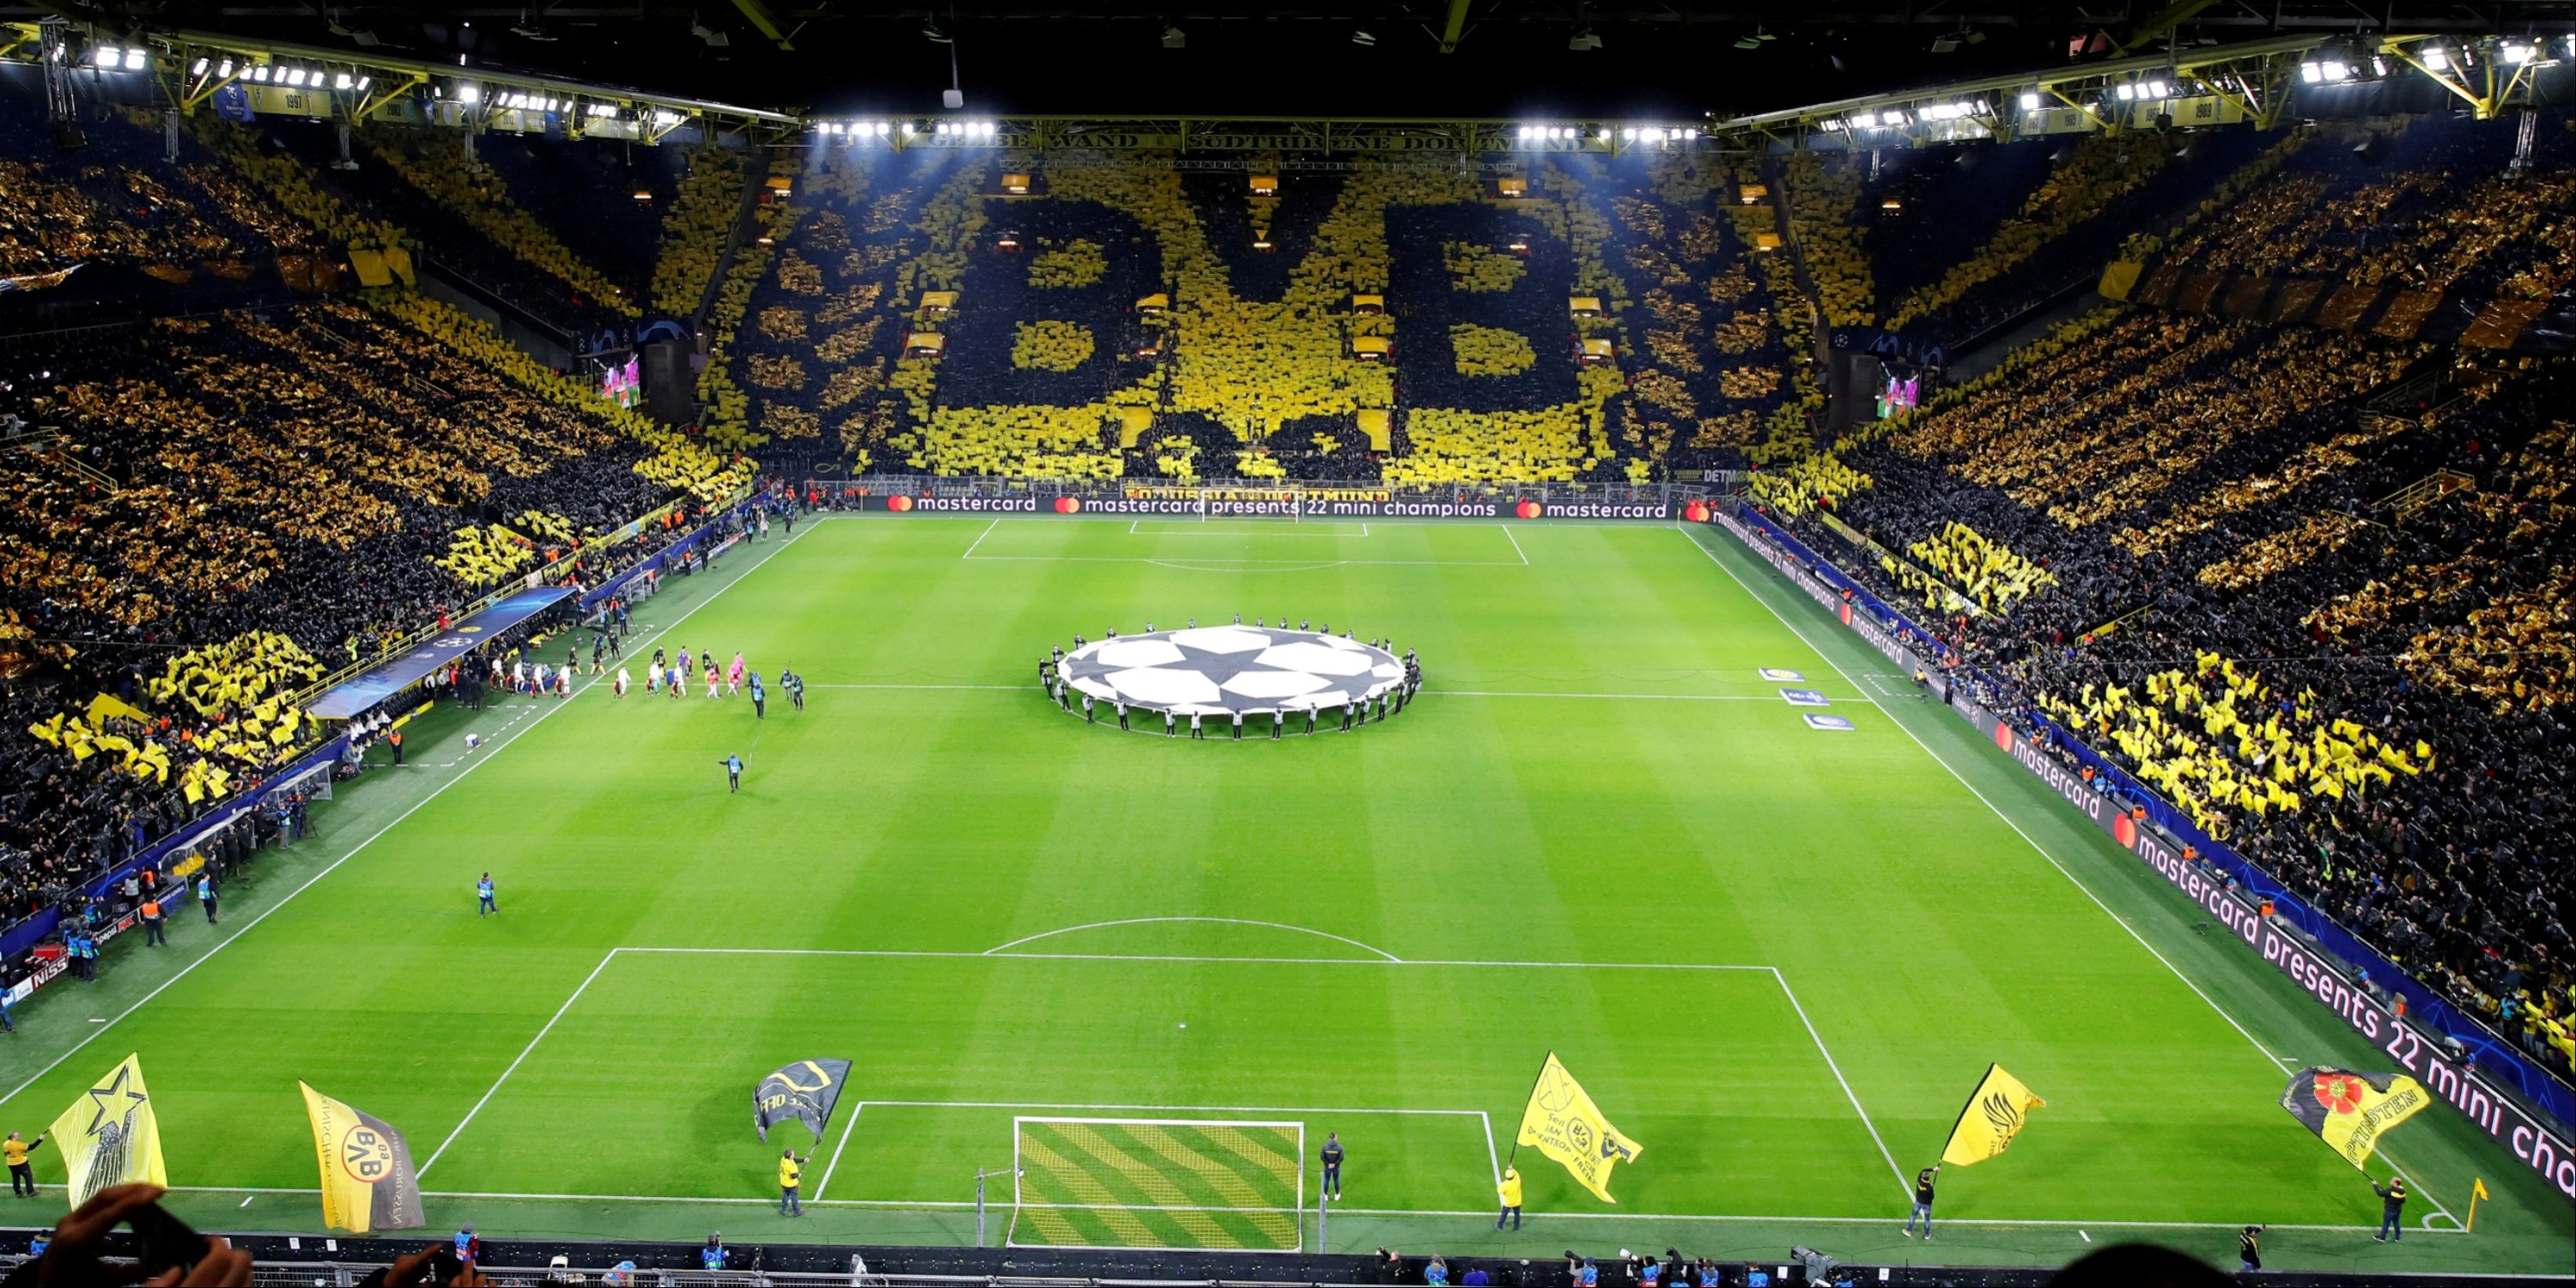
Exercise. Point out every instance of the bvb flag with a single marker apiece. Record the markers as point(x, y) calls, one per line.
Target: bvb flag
point(367, 1178)
point(1566, 1126)
point(804, 1091)
point(2350, 1111)
point(1992, 1118)
point(110, 1136)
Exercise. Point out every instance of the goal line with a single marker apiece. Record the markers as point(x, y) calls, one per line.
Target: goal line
point(1150, 1183)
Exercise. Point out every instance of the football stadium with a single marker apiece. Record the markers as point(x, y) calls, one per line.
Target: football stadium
point(817, 645)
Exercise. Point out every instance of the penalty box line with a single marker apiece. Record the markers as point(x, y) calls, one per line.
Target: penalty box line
point(1520, 557)
point(1382, 961)
point(1493, 1158)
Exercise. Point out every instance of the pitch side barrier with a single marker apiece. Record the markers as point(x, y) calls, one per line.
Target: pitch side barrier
point(2469, 1068)
point(1652, 502)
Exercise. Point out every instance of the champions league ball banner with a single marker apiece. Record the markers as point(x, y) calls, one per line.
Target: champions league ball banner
point(2420, 1049)
point(1650, 502)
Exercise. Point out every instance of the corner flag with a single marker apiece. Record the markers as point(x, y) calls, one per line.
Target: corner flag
point(367, 1178)
point(110, 1136)
point(1993, 1117)
point(2349, 1111)
point(1566, 1126)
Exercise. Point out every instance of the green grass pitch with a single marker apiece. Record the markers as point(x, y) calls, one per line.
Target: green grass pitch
point(1778, 957)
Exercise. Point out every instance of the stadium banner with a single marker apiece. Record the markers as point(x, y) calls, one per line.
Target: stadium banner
point(1991, 1120)
point(1563, 1123)
point(111, 1134)
point(401, 673)
point(367, 1179)
point(803, 1092)
point(1650, 502)
point(2458, 1064)
point(2351, 1111)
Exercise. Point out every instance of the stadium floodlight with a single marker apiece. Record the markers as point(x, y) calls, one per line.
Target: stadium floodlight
point(1174, 37)
point(2156, 89)
point(2434, 57)
point(2126, 91)
point(134, 60)
point(2336, 71)
point(1584, 41)
point(2517, 53)
point(341, 81)
point(2311, 73)
point(468, 93)
point(199, 69)
point(1362, 36)
point(106, 55)
point(224, 68)
point(364, 82)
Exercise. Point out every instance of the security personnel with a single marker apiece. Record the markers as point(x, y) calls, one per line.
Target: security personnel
point(791, 1174)
point(733, 772)
point(1510, 1190)
point(153, 922)
point(1332, 1157)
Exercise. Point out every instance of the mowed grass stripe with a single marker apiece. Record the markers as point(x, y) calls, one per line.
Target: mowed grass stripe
point(1171, 1182)
point(1115, 1203)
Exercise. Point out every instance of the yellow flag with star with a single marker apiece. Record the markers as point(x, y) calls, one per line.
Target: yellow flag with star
point(1564, 1124)
point(111, 1135)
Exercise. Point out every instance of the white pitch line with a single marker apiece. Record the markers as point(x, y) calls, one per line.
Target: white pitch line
point(1178, 1109)
point(844, 1143)
point(963, 955)
point(1508, 535)
point(979, 537)
point(1001, 949)
point(1492, 1159)
point(2036, 847)
point(1848, 1093)
point(1658, 1217)
point(1336, 563)
point(1454, 693)
point(524, 1052)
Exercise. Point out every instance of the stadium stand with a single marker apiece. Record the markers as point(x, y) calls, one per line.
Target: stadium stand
point(190, 495)
point(2308, 583)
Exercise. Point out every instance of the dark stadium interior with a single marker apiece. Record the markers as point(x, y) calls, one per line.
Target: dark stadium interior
point(2236, 458)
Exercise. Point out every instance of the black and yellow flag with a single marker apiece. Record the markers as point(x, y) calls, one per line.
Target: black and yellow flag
point(1993, 1116)
point(1565, 1125)
point(803, 1092)
point(2351, 1111)
point(367, 1178)
point(111, 1136)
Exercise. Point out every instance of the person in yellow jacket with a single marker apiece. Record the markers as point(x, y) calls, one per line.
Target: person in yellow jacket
point(1510, 1189)
point(22, 1178)
point(791, 1174)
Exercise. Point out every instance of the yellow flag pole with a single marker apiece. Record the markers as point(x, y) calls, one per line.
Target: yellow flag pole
point(2477, 1191)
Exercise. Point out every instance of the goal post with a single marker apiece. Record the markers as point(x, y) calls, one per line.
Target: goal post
point(1147, 1183)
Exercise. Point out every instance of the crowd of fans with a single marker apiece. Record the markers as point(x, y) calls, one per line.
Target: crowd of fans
point(189, 493)
point(1396, 321)
point(2311, 586)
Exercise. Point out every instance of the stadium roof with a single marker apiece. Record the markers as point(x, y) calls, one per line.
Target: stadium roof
point(1504, 59)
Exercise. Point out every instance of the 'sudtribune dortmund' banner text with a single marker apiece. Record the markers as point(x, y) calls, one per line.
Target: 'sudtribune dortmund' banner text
point(367, 1178)
point(1994, 1115)
point(1565, 1125)
point(2351, 1111)
point(804, 1091)
point(110, 1136)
